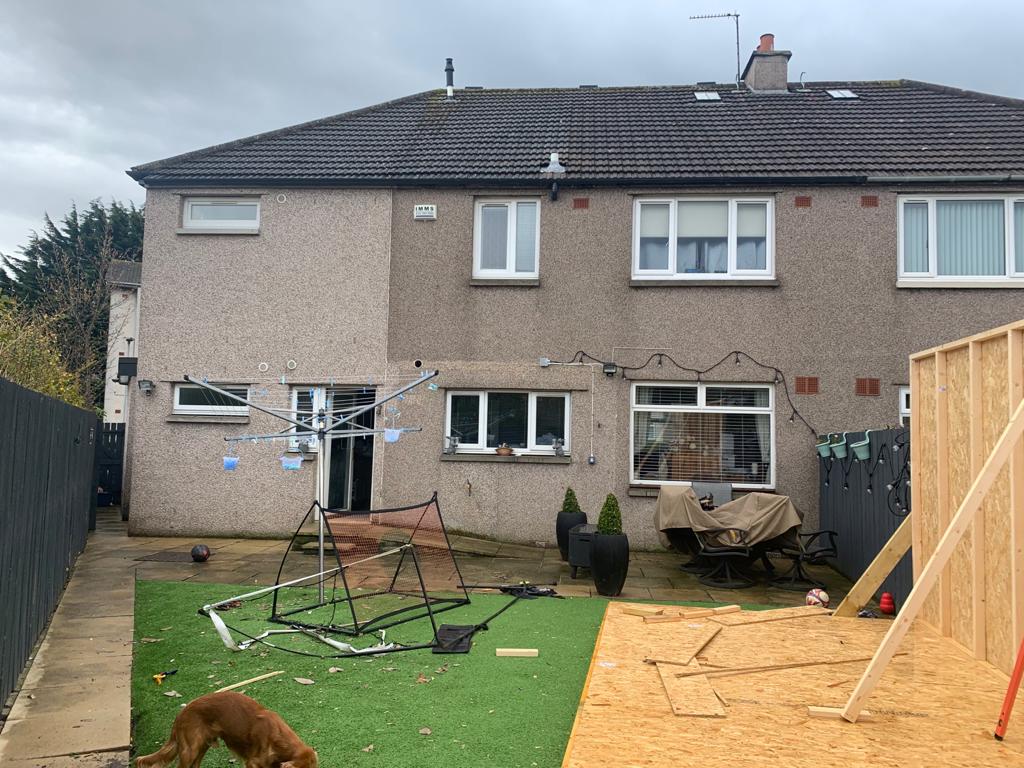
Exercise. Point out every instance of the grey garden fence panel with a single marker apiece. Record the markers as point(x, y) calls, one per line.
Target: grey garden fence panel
point(46, 496)
point(866, 500)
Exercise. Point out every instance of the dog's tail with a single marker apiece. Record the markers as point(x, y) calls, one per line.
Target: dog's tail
point(162, 757)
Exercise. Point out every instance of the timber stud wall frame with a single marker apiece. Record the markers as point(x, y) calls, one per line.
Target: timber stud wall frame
point(963, 395)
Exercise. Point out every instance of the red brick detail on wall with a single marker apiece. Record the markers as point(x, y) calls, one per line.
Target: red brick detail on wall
point(869, 201)
point(802, 201)
point(868, 387)
point(580, 203)
point(807, 385)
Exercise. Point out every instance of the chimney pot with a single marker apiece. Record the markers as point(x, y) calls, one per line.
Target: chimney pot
point(449, 77)
point(766, 45)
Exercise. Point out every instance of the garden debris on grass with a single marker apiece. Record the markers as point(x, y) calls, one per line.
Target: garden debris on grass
point(332, 670)
point(150, 639)
point(368, 748)
point(172, 694)
point(425, 731)
point(303, 680)
point(421, 678)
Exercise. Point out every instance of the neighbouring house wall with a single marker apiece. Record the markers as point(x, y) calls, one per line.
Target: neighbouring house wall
point(311, 287)
point(835, 314)
point(124, 324)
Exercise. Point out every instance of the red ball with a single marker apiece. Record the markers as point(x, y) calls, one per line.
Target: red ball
point(886, 604)
point(200, 553)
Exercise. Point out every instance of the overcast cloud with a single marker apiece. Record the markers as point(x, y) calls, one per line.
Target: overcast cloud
point(88, 89)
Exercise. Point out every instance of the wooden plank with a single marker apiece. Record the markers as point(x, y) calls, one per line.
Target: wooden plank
point(942, 484)
point(958, 478)
point(923, 486)
point(517, 653)
point(726, 609)
point(251, 680)
point(936, 564)
point(731, 671)
point(780, 614)
point(1015, 373)
point(915, 464)
point(871, 580)
point(695, 613)
point(835, 713)
point(586, 687)
point(635, 610)
point(667, 619)
point(977, 458)
point(700, 643)
point(691, 696)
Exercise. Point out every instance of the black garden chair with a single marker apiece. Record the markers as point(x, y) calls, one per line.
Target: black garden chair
point(810, 549)
point(728, 551)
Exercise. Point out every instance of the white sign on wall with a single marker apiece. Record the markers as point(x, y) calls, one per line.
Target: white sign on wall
point(424, 212)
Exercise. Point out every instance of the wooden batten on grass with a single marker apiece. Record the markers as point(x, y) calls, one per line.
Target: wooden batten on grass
point(521, 653)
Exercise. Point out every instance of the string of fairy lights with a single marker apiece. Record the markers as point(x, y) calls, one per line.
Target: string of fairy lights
point(897, 490)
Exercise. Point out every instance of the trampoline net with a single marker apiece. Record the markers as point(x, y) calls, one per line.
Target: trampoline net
point(381, 568)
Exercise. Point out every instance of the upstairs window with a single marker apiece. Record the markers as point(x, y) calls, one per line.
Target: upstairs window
point(703, 238)
point(221, 213)
point(961, 241)
point(200, 401)
point(506, 239)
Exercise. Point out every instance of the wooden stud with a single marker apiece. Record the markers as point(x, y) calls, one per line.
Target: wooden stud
point(1015, 363)
point(942, 484)
point(977, 452)
point(936, 563)
point(700, 645)
point(250, 680)
point(664, 619)
point(835, 713)
point(730, 671)
point(870, 581)
point(779, 614)
point(917, 537)
point(638, 610)
point(726, 609)
point(519, 653)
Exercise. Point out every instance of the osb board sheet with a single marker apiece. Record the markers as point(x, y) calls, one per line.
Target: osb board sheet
point(799, 612)
point(690, 696)
point(925, 501)
point(959, 478)
point(936, 706)
point(1000, 646)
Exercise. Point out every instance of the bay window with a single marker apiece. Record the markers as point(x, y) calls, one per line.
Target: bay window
point(527, 422)
point(703, 432)
point(506, 238)
point(958, 241)
point(703, 238)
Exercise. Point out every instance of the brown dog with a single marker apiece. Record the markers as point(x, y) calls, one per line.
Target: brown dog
point(254, 733)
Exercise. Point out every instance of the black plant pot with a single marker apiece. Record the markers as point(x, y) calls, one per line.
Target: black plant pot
point(609, 562)
point(565, 521)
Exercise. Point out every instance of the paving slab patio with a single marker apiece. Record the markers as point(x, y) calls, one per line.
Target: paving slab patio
point(74, 706)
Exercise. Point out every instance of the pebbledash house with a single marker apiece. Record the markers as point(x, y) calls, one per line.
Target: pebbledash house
point(627, 286)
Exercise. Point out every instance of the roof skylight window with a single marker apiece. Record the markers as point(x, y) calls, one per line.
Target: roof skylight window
point(842, 93)
point(707, 95)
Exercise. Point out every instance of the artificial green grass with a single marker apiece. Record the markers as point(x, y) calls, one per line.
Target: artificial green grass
point(481, 710)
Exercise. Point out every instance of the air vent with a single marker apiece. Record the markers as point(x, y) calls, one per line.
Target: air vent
point(807, 385)
point(707, 96)
point(842, 93)
point(802, 201)
point(868, 387)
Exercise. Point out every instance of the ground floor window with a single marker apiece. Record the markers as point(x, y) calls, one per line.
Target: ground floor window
point(200, 401)
point(527, 422)
point(704, 432)
point(905, 407)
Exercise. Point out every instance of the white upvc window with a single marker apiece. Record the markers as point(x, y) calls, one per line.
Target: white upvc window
point(703, 238)
point(961, 241)
point(227, 213)
point(686, 432)
point(200, 401)
point(526, 422)
point(309, 399)
point(506, 238)
point(905, 406)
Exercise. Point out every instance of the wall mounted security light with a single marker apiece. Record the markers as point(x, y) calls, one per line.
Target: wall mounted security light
point(610, 369)
point(146, 386)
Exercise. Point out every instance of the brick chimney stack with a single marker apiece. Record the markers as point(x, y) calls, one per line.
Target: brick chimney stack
point(767, 69)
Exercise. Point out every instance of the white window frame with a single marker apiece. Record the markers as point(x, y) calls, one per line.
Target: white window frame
point(531, 420)
point(509, 273)
point(319, 401)
point(210, 410)
point(931, 278)
point(187, 222)
point(733, 273)
point(700, 407)
point(904, 404)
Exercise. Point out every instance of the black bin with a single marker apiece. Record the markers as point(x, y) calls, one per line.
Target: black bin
point(579, 546)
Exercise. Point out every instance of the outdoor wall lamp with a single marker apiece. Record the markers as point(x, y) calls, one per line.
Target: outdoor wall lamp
point(127, 369)
point(146, 386)
point(610, 369)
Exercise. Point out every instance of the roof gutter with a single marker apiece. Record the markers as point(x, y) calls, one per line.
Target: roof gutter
point(944, 179)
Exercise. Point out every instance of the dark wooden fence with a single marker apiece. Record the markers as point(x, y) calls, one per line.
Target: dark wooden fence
point(866, 500)
point(47, 498)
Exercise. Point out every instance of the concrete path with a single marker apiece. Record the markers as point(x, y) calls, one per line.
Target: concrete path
point(74, 708)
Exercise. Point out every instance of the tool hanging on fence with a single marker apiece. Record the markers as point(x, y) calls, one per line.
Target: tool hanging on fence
point(1011, 695)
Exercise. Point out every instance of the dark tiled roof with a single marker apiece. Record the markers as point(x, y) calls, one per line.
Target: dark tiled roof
point(609, 135)
point(122, 272)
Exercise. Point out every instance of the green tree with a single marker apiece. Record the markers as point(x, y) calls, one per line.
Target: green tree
point(609, 522)
point(30, 356)
point(60, 279)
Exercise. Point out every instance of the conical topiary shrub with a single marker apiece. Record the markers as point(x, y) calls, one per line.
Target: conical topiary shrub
point(568, 518)
point(609, 550)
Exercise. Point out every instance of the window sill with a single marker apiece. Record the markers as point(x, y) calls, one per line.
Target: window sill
point(501, 282)
point(931, 283)
point(201, 418)
point(197, 231)
point(652, 491)
point(768, 282)
point(525, 458)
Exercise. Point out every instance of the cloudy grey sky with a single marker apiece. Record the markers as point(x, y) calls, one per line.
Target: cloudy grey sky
point(90, 89)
